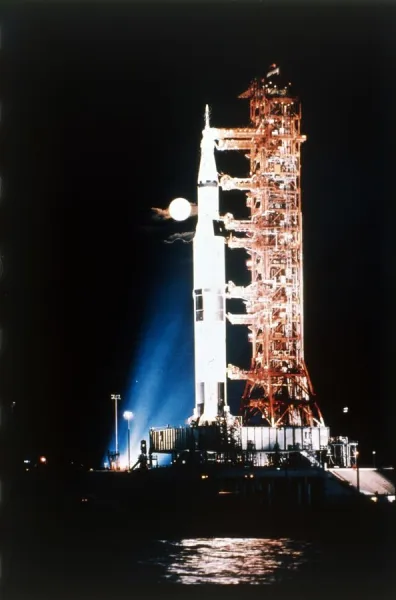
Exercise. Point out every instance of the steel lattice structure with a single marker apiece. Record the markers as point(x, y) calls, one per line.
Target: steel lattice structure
point(278, 384)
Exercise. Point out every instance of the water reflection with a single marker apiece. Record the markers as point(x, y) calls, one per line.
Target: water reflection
point(232, 561)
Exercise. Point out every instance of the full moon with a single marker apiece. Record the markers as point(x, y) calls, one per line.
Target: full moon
point(179, 209)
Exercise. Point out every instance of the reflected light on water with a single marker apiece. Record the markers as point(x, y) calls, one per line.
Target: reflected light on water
point(232, 561)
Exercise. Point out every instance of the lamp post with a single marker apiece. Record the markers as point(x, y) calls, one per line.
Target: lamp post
point(357, 471)
point(116, 398)
point(128, 416)
point(374, 457)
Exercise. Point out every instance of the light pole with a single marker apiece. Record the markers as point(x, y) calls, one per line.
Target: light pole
point(116, 398)
point(357, 471)
point(128, 416)
point(374, 457)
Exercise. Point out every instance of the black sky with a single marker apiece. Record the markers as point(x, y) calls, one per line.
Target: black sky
point(101, 117)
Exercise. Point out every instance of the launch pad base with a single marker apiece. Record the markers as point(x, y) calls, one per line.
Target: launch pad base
point(259, 446)
point(218, 438)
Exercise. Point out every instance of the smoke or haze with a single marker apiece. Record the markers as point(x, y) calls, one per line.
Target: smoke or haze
point(160, 214)
point(186, 237)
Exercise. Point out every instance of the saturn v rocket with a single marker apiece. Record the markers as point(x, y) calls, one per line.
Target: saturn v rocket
point(209, 292)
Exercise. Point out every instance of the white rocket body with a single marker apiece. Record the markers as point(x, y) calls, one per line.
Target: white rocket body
point(209, 292)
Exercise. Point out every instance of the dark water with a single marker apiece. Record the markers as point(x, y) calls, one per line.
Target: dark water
point(228, 561)
point(80, 554)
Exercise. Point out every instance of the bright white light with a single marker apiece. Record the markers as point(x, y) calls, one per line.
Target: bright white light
point(43, 459)
point(128, 415)
point(345, 409)
point(391, 498)
point(180, 209)
point(123, 462)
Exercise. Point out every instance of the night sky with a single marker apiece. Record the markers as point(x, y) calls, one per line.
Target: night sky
point(102, 111)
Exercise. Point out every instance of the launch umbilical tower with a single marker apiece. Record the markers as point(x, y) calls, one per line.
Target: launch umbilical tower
point(278, 386)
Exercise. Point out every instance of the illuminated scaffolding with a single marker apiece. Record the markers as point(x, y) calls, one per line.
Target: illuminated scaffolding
point(277, 384)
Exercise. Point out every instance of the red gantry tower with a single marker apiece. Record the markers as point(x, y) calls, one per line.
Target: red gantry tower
point(277, 384)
